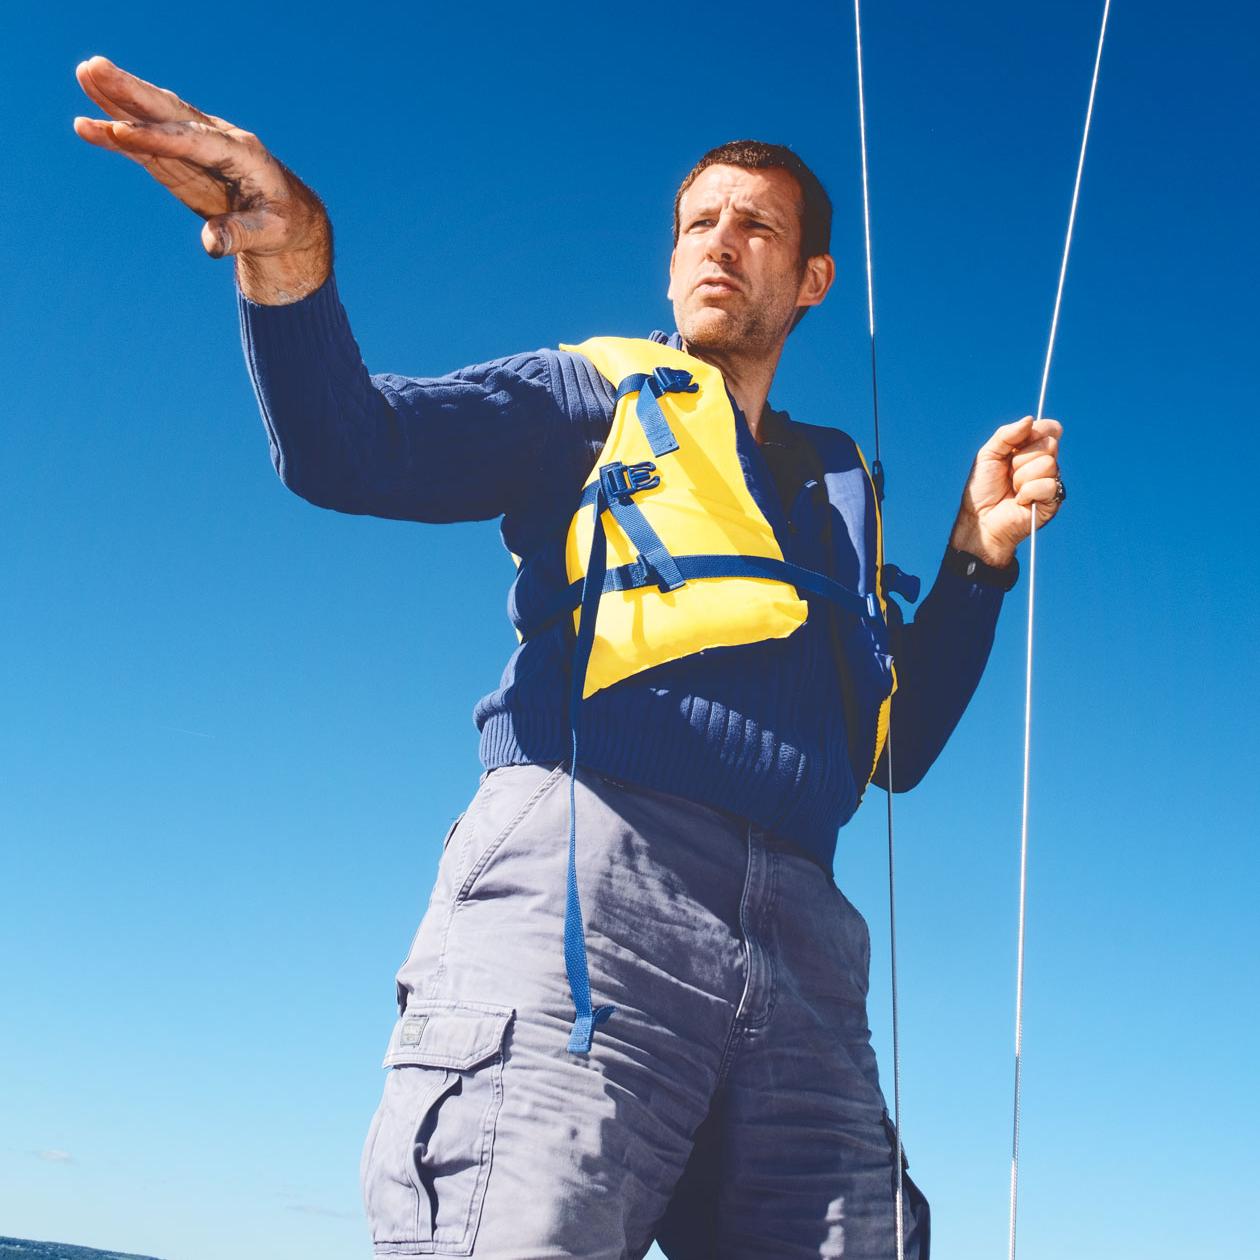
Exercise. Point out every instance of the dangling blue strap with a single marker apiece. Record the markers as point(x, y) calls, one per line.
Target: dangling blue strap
point(585, 1018)
point(655, 427)
point(650, 387)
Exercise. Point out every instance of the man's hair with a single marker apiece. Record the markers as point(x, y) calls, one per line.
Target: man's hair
point(756, 155)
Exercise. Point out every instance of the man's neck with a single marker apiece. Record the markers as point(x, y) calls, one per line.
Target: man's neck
point(747, 377)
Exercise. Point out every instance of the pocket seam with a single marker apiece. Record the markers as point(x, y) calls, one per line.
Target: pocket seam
point(483, 859)
point(450, 831)
point(400, 998)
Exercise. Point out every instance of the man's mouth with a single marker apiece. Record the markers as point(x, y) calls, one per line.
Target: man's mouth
point(716, 284)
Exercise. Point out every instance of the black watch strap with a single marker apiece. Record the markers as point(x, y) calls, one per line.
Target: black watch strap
point(975, 570)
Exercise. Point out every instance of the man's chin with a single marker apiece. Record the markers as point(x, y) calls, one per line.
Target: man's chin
point(711, 328)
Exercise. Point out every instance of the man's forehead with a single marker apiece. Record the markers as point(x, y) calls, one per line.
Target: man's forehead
point(770, 189)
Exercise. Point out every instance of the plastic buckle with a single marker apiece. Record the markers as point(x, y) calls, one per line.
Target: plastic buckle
point(669, 380)
point(901, 583)
point(619, 480)
point(872, 606)
point(639, 573)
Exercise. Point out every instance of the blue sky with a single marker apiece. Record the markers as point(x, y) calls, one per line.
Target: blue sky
point(237, 727)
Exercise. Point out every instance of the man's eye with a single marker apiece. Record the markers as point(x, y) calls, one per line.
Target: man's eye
point(701, 223)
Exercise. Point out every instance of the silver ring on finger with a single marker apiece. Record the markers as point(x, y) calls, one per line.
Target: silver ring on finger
point(1060, 490)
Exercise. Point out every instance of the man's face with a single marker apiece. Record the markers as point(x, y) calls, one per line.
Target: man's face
point(736, 277)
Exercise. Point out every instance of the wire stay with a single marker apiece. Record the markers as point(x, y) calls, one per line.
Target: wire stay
point(1028, 664)
point(878, 476)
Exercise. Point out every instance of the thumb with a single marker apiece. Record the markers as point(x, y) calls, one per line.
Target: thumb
point(1007, 439)
point(255, 231)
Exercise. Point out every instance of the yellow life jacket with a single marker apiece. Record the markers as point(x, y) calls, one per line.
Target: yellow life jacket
point(670, 461)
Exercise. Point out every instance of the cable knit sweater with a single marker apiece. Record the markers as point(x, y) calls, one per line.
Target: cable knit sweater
point(756, 730)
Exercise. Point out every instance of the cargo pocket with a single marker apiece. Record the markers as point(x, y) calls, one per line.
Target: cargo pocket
point(427, 1158)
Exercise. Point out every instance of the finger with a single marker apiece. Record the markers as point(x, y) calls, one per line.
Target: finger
point(1046, 427)
point(89, 74)
point(1036, 468)
point(1007, 439)
point(196, 188)
point(202, 187)
point(189, 141)
point(1034, 450)
point(124, 96)
point(1044, 492)
point(95, 131)
point(255, 231)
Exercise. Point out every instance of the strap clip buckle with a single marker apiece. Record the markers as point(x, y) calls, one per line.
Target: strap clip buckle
point(671, 380)
point(901, 583)
point(619, 480)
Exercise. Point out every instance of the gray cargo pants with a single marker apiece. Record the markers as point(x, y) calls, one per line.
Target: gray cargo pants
point(729, 1108)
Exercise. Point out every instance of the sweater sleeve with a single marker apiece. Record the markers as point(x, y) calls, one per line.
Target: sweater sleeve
point(467, 446)
point(939, 658)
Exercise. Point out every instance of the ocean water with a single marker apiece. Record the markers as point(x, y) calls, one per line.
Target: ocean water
point(29, 1249)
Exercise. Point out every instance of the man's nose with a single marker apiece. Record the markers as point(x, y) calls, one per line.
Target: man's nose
point(722, 243)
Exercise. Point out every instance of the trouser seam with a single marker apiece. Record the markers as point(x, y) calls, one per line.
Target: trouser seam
point(460, 895)
point(735, 1034)
point(765, 936)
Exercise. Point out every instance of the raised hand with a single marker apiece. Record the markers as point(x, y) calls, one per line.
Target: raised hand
point(1017, 467)
point(254, 207)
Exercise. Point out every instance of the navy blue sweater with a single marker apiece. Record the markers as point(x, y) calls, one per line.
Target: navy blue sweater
point(756, 730)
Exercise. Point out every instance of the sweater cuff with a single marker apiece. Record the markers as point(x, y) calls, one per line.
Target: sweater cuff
point(319, 303)
point(969, 566)
point(980, 601)
point(288, 348)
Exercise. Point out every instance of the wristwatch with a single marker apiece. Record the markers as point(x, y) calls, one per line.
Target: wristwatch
point(975, 570)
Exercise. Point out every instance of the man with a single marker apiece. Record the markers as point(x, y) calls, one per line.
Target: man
point(730, 1106)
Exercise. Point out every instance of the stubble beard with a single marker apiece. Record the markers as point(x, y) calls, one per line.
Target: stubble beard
point(721, 332)
point(743, 330)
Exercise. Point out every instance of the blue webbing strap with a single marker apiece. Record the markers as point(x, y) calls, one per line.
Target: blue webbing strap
point(616, 483)
point(650, 386)
point(630, 385)
point(781, 570)
point(585, 1018)
point(655, 427)
point(629, 577)
point(647, 543)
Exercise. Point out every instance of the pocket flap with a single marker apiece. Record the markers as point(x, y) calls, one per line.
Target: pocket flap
point(456, 1035)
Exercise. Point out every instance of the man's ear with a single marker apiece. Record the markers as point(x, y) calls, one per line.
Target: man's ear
point(669, 293)
point(820, 272)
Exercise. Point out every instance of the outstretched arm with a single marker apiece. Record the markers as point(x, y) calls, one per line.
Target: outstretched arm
point(463, 447)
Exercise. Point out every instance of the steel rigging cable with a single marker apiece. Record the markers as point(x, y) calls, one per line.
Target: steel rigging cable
point(878, 476)
point(1028, 665)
